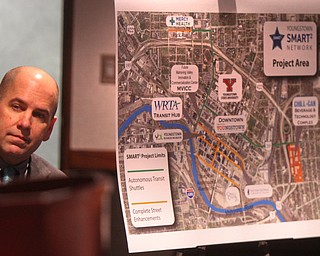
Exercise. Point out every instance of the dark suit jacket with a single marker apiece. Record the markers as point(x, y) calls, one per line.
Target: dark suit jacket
point(41, 169)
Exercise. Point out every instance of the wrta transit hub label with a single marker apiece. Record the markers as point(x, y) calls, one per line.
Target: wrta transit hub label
point(148, 187)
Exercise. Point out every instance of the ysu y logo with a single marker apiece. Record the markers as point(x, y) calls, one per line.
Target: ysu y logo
point(229, 82)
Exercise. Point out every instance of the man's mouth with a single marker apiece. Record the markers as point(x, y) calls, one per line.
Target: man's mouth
point(25, 140)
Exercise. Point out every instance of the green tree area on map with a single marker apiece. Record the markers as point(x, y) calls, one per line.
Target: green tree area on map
point(266, 173)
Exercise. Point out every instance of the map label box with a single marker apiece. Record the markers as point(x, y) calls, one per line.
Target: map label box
point(230, 124)
point(305, 111)
point(230, 87)
point(148, 187)
point(290, 48)
point(258, 191)
point(166, 108)
point(184, 78)
point(179, 21)
point(168, 136)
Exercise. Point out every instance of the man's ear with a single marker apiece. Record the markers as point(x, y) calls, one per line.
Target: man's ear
point(47, 135)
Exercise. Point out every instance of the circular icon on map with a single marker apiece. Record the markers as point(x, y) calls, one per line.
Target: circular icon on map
point(232, 196)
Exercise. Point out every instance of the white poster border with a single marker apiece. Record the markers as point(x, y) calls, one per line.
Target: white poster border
point(195, 238)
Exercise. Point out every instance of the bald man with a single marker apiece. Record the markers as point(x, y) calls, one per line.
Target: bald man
point(28, 103)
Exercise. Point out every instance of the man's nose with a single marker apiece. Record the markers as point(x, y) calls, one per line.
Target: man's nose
point(25, 120)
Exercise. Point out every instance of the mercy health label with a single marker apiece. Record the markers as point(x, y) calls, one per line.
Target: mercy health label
point(166, 108)
point(230, 87)
point(290, 48)
point(230, 124)
point(184, 78)
point(305, 111)
point(148, 187)
point(179, 21)
point(167, 135)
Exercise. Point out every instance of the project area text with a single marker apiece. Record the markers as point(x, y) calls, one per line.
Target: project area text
point(290, 63)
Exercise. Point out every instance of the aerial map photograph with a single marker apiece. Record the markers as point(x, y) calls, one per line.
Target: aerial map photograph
point(217, 119)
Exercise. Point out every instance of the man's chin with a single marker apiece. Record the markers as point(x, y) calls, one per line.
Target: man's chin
point(16, 155)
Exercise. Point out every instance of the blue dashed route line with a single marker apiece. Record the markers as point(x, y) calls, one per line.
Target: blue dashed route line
point(147, 108)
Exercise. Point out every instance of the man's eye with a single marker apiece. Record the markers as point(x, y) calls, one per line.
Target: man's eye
point(16, 107)
point(40, 115)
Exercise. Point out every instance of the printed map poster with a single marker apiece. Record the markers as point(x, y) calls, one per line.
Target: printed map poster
point(218, 121)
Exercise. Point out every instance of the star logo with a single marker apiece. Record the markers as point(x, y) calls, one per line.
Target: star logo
point(277, 38)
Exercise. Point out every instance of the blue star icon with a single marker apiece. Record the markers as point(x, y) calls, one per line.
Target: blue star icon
point(277, 38)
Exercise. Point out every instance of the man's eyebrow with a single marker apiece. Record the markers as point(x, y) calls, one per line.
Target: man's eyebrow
point(44, 111)
point(21, 101)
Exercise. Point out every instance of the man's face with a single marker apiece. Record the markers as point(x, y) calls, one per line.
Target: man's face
point(26, 118)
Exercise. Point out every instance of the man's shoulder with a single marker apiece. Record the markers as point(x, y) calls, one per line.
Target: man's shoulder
point(41, 168)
